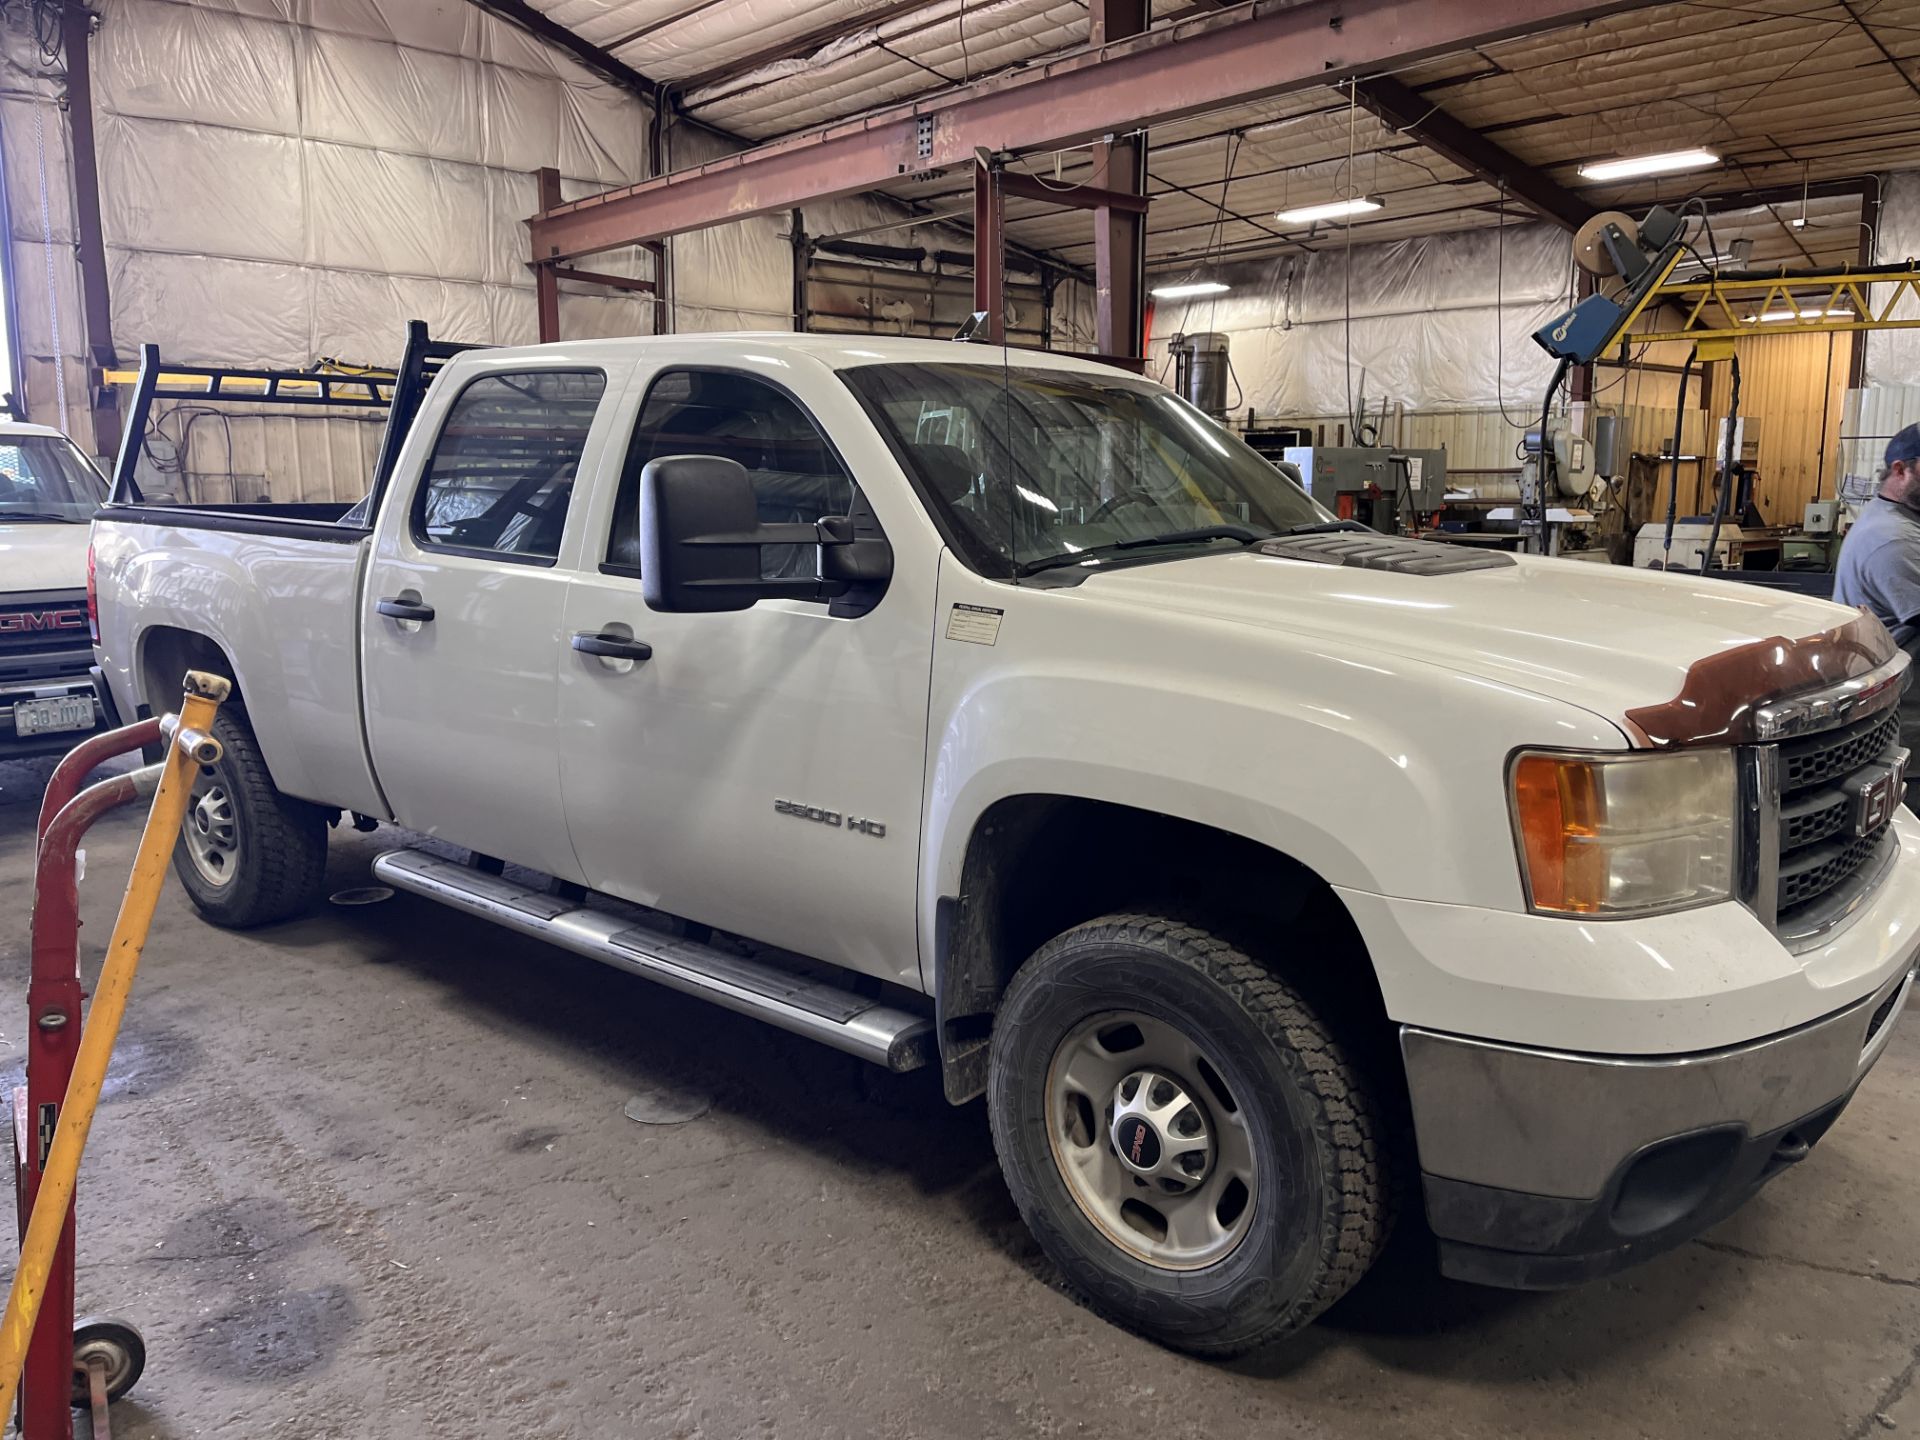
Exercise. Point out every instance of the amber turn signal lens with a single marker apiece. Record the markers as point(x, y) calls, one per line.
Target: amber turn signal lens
point(1557, 801)
point(1624, 834)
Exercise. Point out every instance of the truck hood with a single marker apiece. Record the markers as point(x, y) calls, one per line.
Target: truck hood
point(1604, 637)
point(42, 556)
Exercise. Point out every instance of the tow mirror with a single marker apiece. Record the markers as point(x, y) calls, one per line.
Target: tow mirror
point(700, 539)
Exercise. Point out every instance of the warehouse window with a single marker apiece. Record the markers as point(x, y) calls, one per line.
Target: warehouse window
point(503, 467)
point(796, 475)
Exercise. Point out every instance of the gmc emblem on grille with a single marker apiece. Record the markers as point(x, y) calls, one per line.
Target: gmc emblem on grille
point(26, 622)
point(1877, 794)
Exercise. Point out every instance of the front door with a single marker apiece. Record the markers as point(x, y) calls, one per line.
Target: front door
point(464, 613)
point(761, 771)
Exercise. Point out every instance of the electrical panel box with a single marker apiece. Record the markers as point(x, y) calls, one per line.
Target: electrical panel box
point(1822, 518)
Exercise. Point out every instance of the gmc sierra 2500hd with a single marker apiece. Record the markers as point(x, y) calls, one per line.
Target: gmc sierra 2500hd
point(49, 694)
point(1003, 713)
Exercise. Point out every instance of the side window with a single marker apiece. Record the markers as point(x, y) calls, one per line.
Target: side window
point(502, 470)
point(795, 473)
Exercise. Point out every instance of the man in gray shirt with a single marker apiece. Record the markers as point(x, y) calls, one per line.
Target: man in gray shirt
point(1880, 569)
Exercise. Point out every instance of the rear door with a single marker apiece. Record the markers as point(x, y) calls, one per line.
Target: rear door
point(463, 610)
point(762, 770)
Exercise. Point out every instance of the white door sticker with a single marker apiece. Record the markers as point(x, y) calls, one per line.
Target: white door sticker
point(975, 624)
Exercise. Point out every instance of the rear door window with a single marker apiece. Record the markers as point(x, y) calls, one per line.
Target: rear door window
point(503, 468)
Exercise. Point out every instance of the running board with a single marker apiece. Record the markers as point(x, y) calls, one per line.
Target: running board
point(895, 1038)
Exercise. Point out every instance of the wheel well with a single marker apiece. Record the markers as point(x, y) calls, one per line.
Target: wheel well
point(167, 653)
point(1037, 865)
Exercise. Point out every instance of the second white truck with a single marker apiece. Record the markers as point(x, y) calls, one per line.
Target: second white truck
point(1002, 713)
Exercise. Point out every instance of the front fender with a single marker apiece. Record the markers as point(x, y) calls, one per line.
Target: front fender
point(1378, 773)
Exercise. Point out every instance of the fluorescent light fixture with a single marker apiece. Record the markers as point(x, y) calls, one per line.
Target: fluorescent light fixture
point(1665, 163)
point(1192, 287)
point(1332, 210)
point(1806, 314)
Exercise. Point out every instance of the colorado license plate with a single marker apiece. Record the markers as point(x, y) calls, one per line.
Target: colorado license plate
point(50, 717)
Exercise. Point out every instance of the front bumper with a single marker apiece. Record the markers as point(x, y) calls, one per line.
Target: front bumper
point(1543, 1168)
point(91, 685)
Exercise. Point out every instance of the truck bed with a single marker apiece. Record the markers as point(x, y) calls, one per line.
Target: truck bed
point(278, 594)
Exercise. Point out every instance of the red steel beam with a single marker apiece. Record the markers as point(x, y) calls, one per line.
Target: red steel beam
point(1119, 230)
point(1412, 114)
point(1073, 197)
point(990, 251)
point(103, 406)
point(595, 277)
point(546, 282)
point(1264, 49)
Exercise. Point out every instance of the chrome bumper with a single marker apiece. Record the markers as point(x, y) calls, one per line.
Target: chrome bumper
point(1544, 1168)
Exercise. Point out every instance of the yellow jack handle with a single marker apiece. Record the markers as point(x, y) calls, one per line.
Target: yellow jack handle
point(191, 746)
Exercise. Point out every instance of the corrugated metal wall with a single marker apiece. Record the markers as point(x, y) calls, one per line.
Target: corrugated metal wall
point(1869, 419)
point(1795, 386)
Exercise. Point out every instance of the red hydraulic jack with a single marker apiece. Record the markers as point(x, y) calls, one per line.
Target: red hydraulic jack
point(94, 1363)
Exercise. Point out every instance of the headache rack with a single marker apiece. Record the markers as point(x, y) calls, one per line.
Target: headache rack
point(398, 392)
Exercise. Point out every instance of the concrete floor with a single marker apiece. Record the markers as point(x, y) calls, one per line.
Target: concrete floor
point(367, 1175)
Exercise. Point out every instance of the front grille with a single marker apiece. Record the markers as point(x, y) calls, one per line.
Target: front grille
point(1822, 757)
point(1821, 814)
point(1817, 870)
point(1820, 775)
point(43, 623)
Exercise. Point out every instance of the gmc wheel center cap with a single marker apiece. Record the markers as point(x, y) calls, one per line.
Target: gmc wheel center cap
point(1138, 1143)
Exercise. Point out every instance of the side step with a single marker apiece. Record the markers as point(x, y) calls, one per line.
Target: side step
point(895, 1038)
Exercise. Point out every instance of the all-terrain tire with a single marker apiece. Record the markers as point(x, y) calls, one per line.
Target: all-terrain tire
point(1321, 1209)
point(279, 858)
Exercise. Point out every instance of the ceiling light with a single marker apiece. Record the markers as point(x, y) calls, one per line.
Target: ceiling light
point(1192, 287)
point(1665, 163)
point(1806, 315)
point(1332, 210)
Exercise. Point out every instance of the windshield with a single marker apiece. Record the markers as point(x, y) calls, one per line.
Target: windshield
point(45, 477)
point(1033, 469)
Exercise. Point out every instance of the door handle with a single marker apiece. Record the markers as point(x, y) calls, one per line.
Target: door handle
point(611, 647)
point(404, 610)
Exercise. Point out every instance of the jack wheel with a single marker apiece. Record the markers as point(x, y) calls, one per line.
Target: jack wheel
point(116, 1344)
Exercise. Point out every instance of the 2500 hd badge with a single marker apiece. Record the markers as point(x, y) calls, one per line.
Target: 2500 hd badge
point(855, 824)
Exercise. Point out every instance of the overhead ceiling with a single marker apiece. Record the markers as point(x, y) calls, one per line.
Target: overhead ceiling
point(1789, 93)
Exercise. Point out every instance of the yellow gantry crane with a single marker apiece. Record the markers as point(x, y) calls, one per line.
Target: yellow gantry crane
point(1726, 308)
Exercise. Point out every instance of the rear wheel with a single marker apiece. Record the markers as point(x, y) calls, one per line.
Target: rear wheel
point(1184, 1135)
point(248, 855)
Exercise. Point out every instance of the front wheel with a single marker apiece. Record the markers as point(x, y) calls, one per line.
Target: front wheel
point(248, 855)
point(1184, 1136)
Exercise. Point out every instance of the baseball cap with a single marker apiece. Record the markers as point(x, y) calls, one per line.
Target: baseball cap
point(1905, 446)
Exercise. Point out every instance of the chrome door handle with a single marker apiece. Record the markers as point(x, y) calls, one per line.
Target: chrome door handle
point(395, 609)
point(611, 647)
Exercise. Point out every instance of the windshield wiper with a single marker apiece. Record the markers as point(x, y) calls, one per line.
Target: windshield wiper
point(8, 517)
point(1328, 527)
point(1245, 534)
point(1200, 534)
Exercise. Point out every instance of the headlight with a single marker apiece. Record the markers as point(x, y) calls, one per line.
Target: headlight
point(1624, 834)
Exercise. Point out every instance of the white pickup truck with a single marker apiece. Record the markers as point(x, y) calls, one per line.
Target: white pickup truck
point(1003, 713)
point(50, 695)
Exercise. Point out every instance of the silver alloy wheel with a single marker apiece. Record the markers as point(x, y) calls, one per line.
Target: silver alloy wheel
point(1153, 1146)
point(212, 833)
